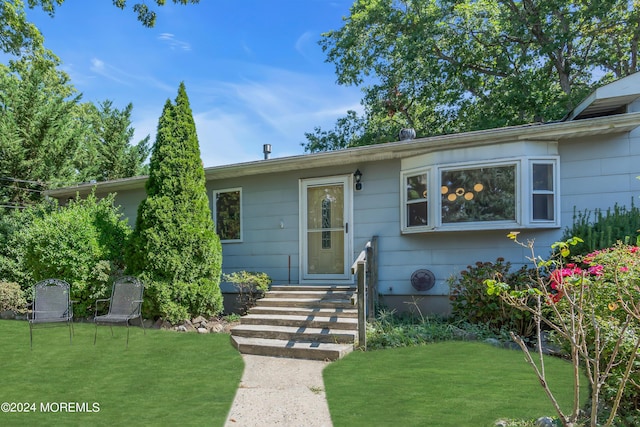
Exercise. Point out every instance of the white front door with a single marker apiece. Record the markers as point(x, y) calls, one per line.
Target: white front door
point(325, 241)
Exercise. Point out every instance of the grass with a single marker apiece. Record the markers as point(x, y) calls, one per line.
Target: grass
point(162, 378)
point(444, 384)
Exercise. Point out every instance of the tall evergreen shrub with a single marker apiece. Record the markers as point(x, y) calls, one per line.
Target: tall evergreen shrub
point(602, 229)
point(174, 247)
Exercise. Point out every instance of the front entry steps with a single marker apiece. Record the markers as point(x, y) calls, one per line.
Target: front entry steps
point(302, 322)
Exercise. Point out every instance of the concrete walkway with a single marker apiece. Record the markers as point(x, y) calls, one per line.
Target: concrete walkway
point(282, 392)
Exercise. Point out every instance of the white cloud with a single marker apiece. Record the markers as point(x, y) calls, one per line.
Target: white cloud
point(173, 43)
point(303, 42)
point(267, 105)
point(126, 78)
point(273, 106)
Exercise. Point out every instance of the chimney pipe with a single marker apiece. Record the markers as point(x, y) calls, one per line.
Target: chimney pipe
point(266, 149)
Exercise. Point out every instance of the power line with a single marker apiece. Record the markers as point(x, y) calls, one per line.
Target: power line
point(7, 178)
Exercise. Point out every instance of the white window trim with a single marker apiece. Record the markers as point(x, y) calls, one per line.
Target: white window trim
point(556, 191)
point(403, 206)
point(524, 191)
point(215, 212)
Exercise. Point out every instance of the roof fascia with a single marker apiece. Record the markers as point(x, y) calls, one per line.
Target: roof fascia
point(393, 150)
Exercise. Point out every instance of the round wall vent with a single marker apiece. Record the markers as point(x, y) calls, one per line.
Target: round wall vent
point(422, 280)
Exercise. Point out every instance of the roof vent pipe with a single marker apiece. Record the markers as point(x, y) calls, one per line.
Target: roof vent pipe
point(407, 134)
point(266, 149)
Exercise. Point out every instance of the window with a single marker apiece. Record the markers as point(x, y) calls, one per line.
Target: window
point(542, 192)
point(326, 223)
point(518, 192)
point(478, 194)
point(416, 197)
point(227, 214)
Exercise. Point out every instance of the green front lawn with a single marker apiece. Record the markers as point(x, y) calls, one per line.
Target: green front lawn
point(455, 384)
point(163, 378)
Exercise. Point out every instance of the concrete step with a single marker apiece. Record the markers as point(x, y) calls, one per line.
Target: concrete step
point(302, 311)
point(310, 321)
point(304, 302)
point(322, 295)
point(335, 288)
point(294, 349)
point(295, 333)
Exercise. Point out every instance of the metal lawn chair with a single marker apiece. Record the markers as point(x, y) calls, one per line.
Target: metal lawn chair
point(125, 304)
point(51, 306)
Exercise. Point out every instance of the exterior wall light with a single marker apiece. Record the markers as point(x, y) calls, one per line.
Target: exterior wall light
point(358, 176)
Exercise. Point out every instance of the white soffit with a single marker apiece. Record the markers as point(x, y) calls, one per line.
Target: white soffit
point(609, 99)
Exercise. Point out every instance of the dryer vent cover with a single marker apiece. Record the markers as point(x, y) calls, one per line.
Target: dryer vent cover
point(422, 280)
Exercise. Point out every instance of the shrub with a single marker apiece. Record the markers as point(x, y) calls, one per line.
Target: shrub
point(612, 275)
point(250, 285)
point(82, 244)
point(174, 248)
point(12, 297)
point(599, 230)
point(591, 305)
point(12, 226)
point(471, 303)
point(391, 330)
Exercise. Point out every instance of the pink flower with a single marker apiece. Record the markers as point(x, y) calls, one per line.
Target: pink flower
point(596, 270)
point(624, 269)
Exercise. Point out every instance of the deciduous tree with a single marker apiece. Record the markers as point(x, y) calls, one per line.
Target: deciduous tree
point(442, 66)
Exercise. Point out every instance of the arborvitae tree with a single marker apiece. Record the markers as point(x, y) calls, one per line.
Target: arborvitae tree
point(174, 248)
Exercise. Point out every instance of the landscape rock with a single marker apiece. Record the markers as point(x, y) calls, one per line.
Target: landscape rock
point(199, 320)
point(545, 422)
point(203, 331)
point(216, 327)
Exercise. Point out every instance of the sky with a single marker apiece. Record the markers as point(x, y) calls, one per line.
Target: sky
point(253, 69)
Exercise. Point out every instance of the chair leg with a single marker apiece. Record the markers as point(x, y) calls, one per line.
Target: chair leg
point(127, 334)
point(70, 332)
point(95, 335)
point(31, 335)
point(144, 330)
point(111, 327)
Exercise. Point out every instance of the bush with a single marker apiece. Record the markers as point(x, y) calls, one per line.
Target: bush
point(471, 303)
point(591, 305)
point(12, 297)
point(82, 244)
point(12, 226)
point(390, 330)
point(174, 248)
point(250, 285)
point(612, 275)
point(599, 230)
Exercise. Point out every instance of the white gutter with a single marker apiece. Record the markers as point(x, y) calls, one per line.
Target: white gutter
point(392, 150)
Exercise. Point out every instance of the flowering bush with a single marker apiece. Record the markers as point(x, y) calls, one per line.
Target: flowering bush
point(610, 278)
point(592, 305)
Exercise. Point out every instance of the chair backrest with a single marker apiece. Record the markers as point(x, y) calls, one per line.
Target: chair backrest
point(51, 300)
point(126, 296)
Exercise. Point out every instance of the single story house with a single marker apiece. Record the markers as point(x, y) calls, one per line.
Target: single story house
point(437, 204)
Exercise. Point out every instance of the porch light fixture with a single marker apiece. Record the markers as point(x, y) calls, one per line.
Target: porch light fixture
point(358, 176)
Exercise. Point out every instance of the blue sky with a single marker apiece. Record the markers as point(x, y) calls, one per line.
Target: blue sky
point(253, 69)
